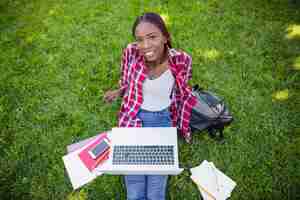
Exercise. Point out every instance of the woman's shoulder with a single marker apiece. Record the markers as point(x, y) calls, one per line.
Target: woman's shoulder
point(131, 47)
point(178, 56)
point(131, 51)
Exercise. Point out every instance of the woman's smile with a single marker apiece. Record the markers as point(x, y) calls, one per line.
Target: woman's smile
point(149, 55)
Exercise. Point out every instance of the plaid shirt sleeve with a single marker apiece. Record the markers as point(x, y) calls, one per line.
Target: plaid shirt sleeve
point(188, 75)
point(123, 82)
point(129, 86)
point(186, 101)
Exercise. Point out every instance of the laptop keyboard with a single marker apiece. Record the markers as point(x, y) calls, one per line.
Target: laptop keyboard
point(143, 155)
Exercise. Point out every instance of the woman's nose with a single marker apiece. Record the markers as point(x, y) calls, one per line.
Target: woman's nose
point(146, 44)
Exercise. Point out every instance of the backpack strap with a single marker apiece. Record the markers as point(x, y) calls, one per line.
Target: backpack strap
point(221, 135)
point(212, 132)
point(216, 132)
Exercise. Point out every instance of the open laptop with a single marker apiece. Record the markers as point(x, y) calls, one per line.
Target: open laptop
point(143, 151)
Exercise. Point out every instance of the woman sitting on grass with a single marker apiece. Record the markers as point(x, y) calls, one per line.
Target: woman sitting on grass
point(155, 93)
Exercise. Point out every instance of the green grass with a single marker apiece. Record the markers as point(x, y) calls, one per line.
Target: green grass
point(57, 58)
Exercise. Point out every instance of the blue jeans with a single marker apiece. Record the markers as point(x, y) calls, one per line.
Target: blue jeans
point(149, 187)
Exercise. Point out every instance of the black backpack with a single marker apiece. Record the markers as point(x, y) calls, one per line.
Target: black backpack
point(210, 114)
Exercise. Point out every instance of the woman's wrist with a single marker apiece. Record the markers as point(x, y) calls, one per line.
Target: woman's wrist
point(121, 91)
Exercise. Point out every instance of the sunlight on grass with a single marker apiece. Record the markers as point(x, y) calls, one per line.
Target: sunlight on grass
point(29, 39)
point(293, 31)
point(80, 195)
point(52, 12)
point(166, 18)
point(55, 11)
point(296, 64)
point(281, 95)
point(211, 54)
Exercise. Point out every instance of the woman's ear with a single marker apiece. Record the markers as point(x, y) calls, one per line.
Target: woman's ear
point(165, 40)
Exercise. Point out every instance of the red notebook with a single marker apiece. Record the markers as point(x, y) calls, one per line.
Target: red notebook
point(86, 158)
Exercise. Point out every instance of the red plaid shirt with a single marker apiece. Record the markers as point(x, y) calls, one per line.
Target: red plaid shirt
point(134, 72)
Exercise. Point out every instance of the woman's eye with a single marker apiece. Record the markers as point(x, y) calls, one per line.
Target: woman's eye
point(152, 37)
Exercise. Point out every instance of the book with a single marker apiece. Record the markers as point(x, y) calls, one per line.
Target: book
point(86, 158)
point(212, 183)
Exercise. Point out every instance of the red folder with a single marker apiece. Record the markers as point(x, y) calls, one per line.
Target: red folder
point(86, 158)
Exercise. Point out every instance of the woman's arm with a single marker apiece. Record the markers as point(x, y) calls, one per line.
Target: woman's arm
point(188, 70)
point(123, 82)
point(187, 102)
point(112, 95)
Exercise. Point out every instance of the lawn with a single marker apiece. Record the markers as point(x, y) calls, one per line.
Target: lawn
point(57, 58)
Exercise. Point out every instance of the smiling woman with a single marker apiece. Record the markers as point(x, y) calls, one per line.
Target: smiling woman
point(153, 83)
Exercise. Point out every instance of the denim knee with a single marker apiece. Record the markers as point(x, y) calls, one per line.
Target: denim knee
point(136, 187)
point(156, 187)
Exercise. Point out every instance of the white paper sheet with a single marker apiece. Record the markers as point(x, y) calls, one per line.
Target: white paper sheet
point(212, 183)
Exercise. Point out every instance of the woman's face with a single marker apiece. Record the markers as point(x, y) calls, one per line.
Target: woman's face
point(150, 41)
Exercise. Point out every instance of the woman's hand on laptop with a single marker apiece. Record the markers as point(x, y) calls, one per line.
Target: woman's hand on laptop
point(111, 95)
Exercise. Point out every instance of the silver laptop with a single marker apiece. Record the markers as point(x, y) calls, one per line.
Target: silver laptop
point(143, 151)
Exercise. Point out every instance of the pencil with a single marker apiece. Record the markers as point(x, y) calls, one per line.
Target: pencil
point(209, 194)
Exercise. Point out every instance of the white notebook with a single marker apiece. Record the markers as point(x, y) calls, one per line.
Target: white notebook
point(212, 183)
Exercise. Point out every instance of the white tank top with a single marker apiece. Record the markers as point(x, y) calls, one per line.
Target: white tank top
point(157, 92)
